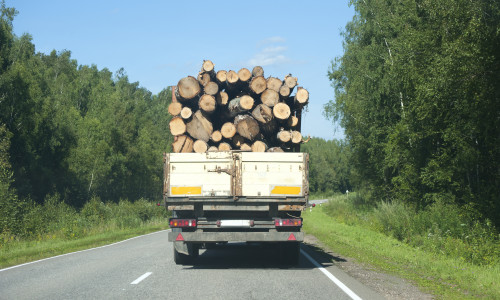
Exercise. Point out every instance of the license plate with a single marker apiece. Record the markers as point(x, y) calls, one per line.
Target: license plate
point(235, 223)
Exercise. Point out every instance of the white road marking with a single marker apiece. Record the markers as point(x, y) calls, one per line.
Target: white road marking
point(144, 276)
point(40, 260)
point(339, 283)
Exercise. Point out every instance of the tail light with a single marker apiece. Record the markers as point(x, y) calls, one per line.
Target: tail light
point(287, 222)
point(179, 223)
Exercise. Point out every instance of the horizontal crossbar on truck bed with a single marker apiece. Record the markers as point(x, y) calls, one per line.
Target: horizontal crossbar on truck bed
point(203, 237)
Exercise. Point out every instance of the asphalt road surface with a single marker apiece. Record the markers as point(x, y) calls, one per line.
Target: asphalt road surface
point(143, 268)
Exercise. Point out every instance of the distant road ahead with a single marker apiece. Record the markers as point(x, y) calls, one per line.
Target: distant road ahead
point(143, 268)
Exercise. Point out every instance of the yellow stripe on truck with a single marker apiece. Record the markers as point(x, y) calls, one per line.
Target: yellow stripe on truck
point(185, 190)
point(286, 190)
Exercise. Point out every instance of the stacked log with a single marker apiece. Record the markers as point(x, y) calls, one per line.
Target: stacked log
point(236, 110)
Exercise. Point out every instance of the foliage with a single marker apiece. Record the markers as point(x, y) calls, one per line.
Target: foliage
point(417, 93)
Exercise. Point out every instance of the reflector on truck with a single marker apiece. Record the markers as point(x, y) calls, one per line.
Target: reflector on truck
point(285, 190)
point(185, 190)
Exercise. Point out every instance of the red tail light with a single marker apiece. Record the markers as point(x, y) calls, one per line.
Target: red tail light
point(176, 223)
point(288, 222)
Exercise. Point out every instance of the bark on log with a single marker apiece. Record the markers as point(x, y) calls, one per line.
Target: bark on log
point(284, 136)
point(240, 105)
point(257, 71)
point(246, 126)
point(245, 147)
point(290, 81)
point(222, 98)
point(199, 127)
point(258, 85)
point(296, 137)
point(228, 130)
point(274, 84)
point(177, 126)
point(224, 147)
point(183, 144)
point(200, 146)
point(262, 113)
point(216, 136)
point(259, 146)
point(301, 97)
point(186, 113)
point(275, 149)
point(270, 97)
point(238, 140)
point(187, 88)
point(207, 103)
point(174, 108)
point(244, 75)
point(211, 88)
point(281, 111)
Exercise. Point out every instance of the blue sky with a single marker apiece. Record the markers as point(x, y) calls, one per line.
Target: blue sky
point(159, 42)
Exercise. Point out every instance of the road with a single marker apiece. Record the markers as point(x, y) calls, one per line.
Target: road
point(143, 268)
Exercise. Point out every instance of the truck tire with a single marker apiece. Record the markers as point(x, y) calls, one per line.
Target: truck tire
point(290, 253)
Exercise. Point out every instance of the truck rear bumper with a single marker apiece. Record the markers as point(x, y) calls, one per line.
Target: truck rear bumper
point(236, 236)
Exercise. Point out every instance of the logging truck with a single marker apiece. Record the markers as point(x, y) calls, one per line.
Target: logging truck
point(235, 196)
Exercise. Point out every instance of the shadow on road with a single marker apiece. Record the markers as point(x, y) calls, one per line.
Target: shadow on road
point(257, 256)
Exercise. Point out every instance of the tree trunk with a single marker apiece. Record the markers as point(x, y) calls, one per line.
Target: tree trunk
point(199, 127)
point(259, 146)
point(290, 81)
point(186, 113)
point(188, 88)
point(211, 88)
point(274, 84)
point(207, 103)
point(203, 78)
point(284, 92)
point(246, 147)
point(224, 147)
point(213, 149)
point(258, 85)
point(270, 97)
point(257, 71)
point(240, 105)
point(281, 111)
point(301, 97)
point(262, 113)
point(246, 126)
point(244, 75)
point(296, 137)
point(228, 130)
point(200, 146)
point(174, 108)
point(221, 77)
point(293, 121)
point(207, 66)
point(238, 140)
point(177, 126)
point(216, 136)
point(232, 78)
point(182, 144)
point(284, 136)
point(275, 149)
point(222, 98)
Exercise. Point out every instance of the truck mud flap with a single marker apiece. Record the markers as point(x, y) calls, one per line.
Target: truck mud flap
point(236, 236)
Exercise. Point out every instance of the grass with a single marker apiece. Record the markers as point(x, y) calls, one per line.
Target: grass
point(444, 276)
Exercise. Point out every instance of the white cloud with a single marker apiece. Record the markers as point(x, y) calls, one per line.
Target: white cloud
point(271, 55)
point(272, 40)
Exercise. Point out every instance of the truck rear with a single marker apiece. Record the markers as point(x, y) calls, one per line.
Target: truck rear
point(234, 196)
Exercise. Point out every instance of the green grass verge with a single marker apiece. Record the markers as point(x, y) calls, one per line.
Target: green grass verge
point(18, 252)
point(442, 276)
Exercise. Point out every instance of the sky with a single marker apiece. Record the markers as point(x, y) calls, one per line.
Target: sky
point(160, 42)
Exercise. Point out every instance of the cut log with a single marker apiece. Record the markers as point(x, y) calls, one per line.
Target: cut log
point(293, 121)
point(216, 136)
point(301, 97)
point(284, 92)
point(177, 126)
point(262, 113)
point(174, 108)
point(199, 127)
point(258, 85)
point(186, 113)
point(275, 149)
point(246, 126)
point(182, 144)
point(221, 77)
point(203, 78)
point(259, 146)
point(200, 146)
point(240, 105)
point(269, 127)
point(238, 140)
point(213, 149)
point(257, 71)
point(211, 88)
point(296, 137)
point(222, 98)
point(232, 78)
point(281, 111)
point(290, 81)
point(207, 103)
point(274, 84)
point(244, 75)
point(228, 130)
point(187, 88)
point(245, 147)
point(270, 97)
point(284, 136)
point(207, 66)
point(224, 147)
